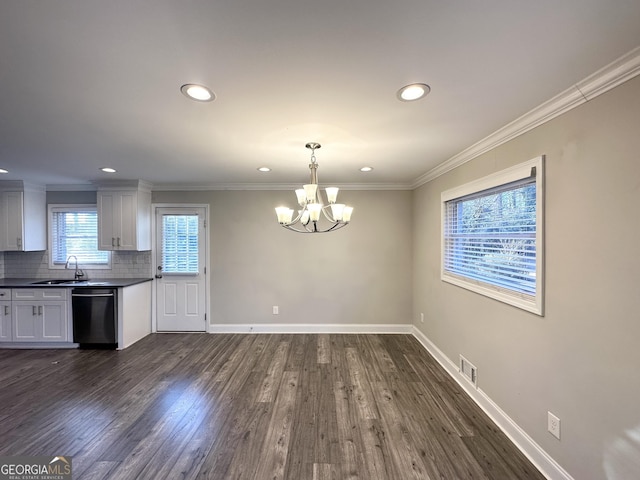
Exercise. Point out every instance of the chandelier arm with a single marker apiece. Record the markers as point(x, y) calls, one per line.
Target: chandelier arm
point(307, 226)
point(334, 227)
point(289, 227)
point(324, 212)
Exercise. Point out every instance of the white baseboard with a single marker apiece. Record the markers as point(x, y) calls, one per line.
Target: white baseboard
point(541, 459)
point(310, 328)
point(37, 345)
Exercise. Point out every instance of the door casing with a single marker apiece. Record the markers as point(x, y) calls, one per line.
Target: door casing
point(154, 257)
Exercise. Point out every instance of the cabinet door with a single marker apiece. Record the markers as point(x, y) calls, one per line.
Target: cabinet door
point(108, 204)
point(12, 226)
point(127, 237)
point(26, 322)
point(5, 322)
point(54, 321)
point(40, 321)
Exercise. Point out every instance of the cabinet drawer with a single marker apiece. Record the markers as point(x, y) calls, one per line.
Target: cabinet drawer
point(39, 294)
point(5, 294)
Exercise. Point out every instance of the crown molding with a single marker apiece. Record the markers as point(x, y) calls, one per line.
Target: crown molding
point(608, 77)
point(275, 186)
point(72, 187)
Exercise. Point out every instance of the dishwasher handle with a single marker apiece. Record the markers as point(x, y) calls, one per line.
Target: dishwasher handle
point(92, 295)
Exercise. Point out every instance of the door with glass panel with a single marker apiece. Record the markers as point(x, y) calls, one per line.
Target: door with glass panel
point(180, 269)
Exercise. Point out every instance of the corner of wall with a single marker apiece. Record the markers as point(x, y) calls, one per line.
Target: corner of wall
point(547, 465)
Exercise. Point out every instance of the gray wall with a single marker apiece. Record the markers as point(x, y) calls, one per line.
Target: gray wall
point(581, 360)
point(358, 275)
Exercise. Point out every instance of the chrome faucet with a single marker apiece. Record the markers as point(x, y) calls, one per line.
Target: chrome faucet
point(78, 273)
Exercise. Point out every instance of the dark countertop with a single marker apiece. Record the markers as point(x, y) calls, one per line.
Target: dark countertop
point(93, 282)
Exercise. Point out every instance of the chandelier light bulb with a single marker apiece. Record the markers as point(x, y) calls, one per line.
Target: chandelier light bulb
point(314, 211)
point(332, 194)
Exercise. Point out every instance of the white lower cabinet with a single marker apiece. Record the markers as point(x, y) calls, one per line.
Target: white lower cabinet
point(40, 322)
point(5, 322)
point(40, 315)
point(5, 315)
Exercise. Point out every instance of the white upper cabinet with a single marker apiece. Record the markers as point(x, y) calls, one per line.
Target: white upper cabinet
point(124, 216)
point(23, 216)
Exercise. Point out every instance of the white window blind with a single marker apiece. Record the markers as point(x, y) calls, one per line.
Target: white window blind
point(74, 231)
point(492, 236)
point(180, 244)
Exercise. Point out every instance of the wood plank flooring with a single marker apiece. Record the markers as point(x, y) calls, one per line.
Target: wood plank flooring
point(299, 407)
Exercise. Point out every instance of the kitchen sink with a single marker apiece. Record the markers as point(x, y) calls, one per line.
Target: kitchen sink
point(60, 281)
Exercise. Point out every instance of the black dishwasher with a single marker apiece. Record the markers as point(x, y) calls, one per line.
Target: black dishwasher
point(94, 317)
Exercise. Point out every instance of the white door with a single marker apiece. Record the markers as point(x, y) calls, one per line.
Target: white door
point(180, 269)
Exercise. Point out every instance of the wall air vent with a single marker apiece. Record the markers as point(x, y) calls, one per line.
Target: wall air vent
point(469, 371)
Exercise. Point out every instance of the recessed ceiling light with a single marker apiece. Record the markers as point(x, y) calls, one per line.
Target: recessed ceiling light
point(2, 170)
point(108, 170)
point(264, 169)
point(412, 92)
point(366, 169)
point(198, 93)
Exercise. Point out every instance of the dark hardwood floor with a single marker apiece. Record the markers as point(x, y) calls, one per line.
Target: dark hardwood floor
point(186, 406)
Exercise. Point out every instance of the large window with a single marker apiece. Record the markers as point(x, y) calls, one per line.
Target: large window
point(73, 230)
point(492, 236)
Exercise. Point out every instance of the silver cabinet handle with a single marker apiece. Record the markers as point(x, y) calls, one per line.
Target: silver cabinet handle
point(34, 311)
point(19, 241)
point(118, 241)
point(40, 310)
point(6, 310)
point(113, 242)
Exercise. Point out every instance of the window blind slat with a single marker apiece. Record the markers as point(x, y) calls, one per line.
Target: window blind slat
point(490, 237)
point(75, 232)
point(180, 244)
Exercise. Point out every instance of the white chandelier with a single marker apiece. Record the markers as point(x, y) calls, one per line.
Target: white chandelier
point(314, 217)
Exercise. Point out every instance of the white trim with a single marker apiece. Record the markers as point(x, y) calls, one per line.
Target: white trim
point(541, 459)
point(497, 179)
point(207, 261)
point(80, 187)
point(502, 177)
point(612, 75)
point(73, 207)
point(311, 328)
point(275, 186)
point(37, 345)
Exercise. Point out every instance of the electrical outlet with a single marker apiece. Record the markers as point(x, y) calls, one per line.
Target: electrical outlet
point(553, 425)
point(422, 317)
point(276, 310)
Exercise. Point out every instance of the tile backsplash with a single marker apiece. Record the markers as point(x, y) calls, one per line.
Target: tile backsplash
point(36, 265)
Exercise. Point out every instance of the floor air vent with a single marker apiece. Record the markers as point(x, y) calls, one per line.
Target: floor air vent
point(469, 371)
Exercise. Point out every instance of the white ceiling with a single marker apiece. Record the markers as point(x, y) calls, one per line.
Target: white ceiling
point(90, 83)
